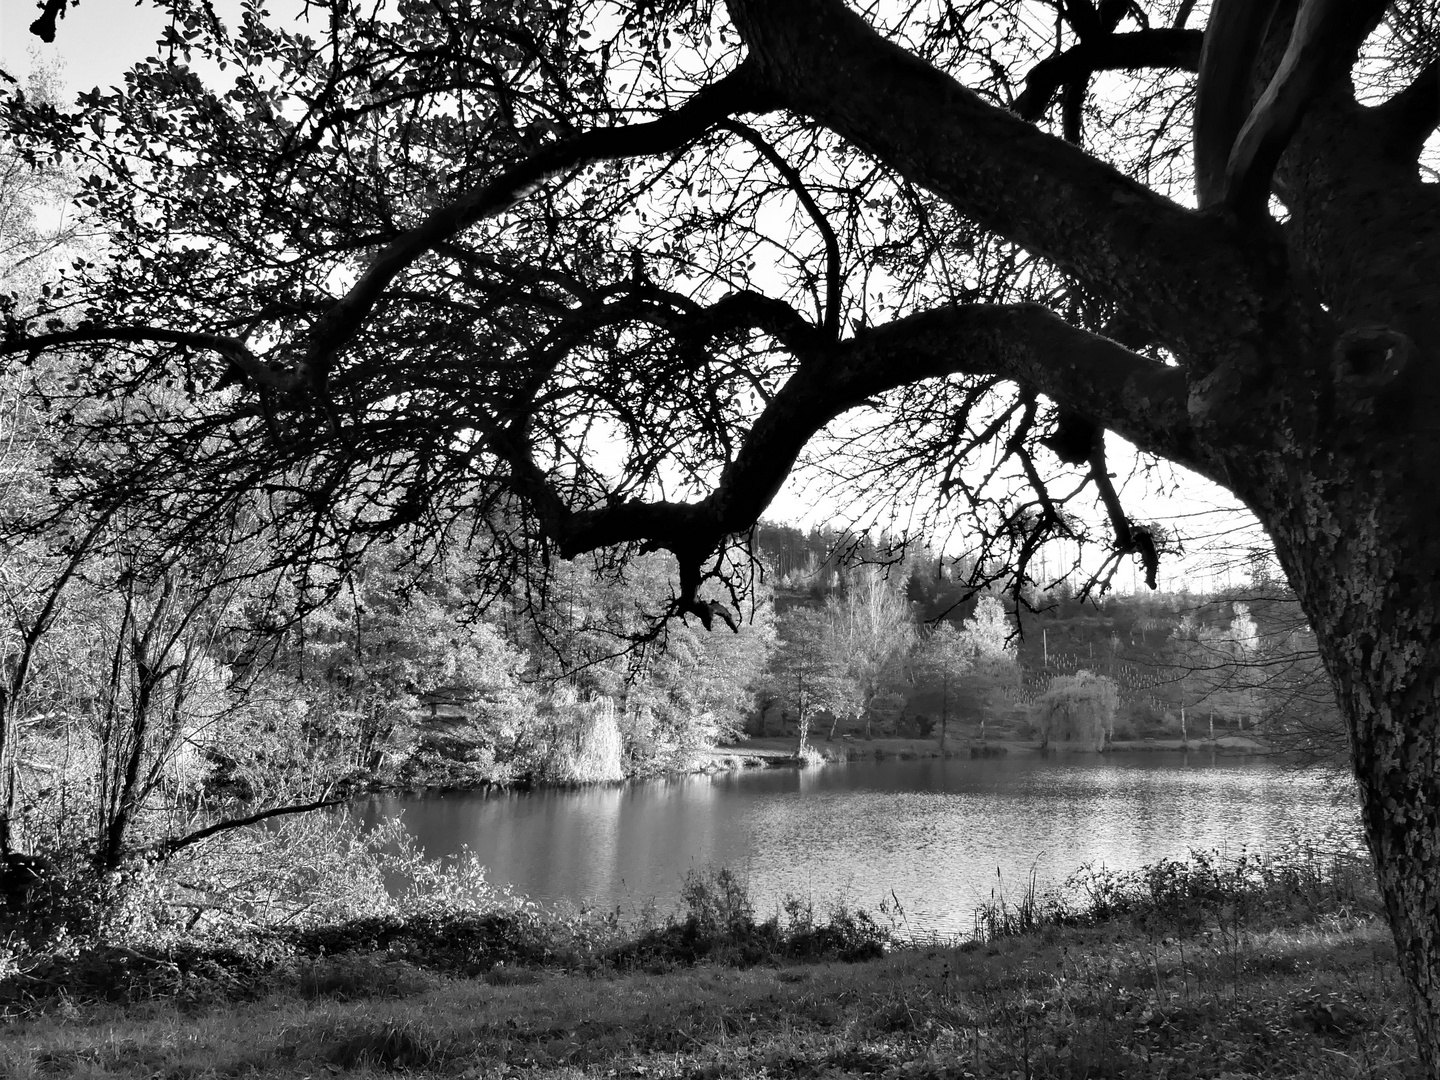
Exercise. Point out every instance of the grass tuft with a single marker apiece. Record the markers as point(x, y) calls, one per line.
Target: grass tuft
point(390, 1046)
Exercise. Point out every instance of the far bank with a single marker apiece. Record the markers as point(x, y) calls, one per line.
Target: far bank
point(781, 751)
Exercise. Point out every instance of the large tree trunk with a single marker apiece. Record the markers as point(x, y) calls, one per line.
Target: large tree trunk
point(1344, 488)
point(1367, 566)
point(1331, 438)
point(1386, 674)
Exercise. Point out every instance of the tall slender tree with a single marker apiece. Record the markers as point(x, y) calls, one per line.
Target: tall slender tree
point(804, 675)
point(945, 658)
point(870, 631)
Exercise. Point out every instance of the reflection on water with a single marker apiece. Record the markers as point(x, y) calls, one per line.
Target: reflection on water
point(930, 833)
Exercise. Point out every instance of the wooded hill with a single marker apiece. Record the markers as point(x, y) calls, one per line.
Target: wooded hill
point(1182, 664)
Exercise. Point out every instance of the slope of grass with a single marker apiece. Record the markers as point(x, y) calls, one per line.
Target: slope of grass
point(1208, 969)
point(1318, 1000)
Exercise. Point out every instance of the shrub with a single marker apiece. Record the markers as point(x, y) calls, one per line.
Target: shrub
point(1183, 897)
point(1077, 708)
point(716, 922)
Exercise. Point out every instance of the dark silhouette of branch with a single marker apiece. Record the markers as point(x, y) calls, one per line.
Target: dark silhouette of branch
point(1072, 110)
point(719, 611)
point(44, 26)
point(1160, 48)
point(740, 91)
point(753, 310)
point(167, 848)
point(1410, 116)
point(1130, 539)
point(832, 245)
point(1043, 194)
point(1138, 398)
point(1322, 45)
point(232, 349)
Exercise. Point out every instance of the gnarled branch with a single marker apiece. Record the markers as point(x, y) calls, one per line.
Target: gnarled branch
point(831, 314)
point(1222, 96)
point(1117, 236)
point(740, 91)
point(1160, 48)
point(1322, 46)
point(1138, 398)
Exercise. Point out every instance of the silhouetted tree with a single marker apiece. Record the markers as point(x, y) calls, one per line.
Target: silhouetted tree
point(462, 258)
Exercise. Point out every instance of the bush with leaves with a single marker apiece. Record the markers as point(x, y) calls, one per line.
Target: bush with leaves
point(1077, 709)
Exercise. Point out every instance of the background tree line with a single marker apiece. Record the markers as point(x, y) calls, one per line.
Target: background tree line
point(139, 706)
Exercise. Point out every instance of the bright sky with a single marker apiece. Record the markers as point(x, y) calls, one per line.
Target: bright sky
point(98, 41)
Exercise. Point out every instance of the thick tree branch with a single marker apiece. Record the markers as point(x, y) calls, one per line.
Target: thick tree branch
point(1140, 399)
point(1163, 48)
point(740, 91)
point(1072, 111)
point(1193, 282)
point(1222, 94)
point(1321, 48)
point(756, 311)
point(831, 314)
point(1129, 538)
point(232, 349)
point(1409, 118)
point(44, 26)
point(167, 848)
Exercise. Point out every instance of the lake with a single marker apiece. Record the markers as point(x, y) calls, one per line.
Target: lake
point(936, 836)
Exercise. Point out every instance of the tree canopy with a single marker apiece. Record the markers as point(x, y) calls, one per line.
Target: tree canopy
point(533, 257)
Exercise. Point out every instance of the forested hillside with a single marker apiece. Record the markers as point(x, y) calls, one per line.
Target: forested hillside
point(1051, 663)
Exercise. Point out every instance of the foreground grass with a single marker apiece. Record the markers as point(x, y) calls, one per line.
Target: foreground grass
point(1313, 995)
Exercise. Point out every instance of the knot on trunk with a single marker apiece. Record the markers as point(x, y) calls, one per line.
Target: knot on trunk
point(1366, 358)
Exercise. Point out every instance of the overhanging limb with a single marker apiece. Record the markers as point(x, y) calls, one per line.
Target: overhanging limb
point(1321, 47)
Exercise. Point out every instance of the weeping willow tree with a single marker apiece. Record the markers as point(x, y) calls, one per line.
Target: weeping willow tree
point(1077, 709)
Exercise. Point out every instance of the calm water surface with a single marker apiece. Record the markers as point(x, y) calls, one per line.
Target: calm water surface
point(935, 835)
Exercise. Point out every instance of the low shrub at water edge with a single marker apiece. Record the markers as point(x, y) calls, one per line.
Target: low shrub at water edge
point(436, 930)
point(1182, 897)
point(717, 923)
point(330, 935)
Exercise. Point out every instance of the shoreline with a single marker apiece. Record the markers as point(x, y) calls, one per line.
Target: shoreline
point(780, 752)
point(1226, 975)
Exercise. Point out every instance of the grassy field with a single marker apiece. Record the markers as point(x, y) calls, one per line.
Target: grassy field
point(1179, 971)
